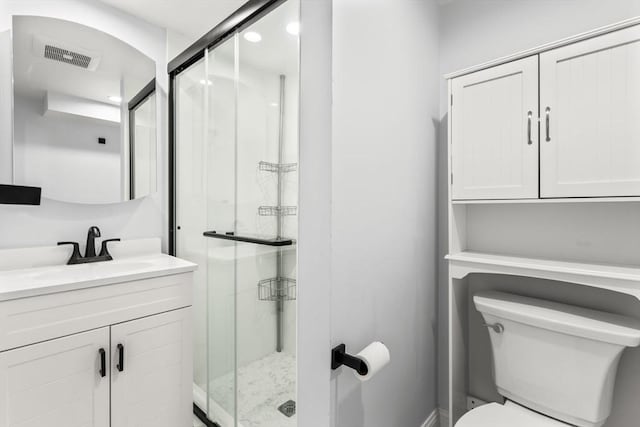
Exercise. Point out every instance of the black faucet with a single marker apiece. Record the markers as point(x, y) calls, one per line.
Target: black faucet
point(90, 252)
point(94, 232)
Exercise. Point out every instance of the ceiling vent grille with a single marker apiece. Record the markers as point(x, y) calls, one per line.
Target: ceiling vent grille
point(44, 47)
point(67, 56)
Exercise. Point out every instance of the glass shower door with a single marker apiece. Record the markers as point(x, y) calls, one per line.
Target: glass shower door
point(236, 130)
point(221, 212)
point(267, 156)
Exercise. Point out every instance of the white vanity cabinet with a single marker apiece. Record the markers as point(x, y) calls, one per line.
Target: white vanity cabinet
point(590, 100)
point(151, 371)
point(495, 132)
point(56, 383)
point(588, 123)
point(97, 345)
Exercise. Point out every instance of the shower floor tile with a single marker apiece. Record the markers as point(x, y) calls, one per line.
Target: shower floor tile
point(263, 386)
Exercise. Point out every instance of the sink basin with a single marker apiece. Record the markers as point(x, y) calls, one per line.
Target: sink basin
point(69, 272)
point(29, 282)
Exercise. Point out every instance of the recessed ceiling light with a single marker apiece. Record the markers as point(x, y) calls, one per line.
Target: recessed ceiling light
point(293, 28)
point(252, 37)
point(274, 104)
point(206, 82)
point(114, 98)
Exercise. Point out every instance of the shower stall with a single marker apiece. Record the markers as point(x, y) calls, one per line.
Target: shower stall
point(233, 167)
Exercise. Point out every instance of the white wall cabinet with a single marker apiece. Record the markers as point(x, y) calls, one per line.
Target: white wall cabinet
point(588, 123)
point(495, 132)
point(591, 91)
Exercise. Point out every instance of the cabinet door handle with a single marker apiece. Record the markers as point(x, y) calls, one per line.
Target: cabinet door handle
point(548, 124)
point(103, 362)
point(120, 365)
point(529, 118)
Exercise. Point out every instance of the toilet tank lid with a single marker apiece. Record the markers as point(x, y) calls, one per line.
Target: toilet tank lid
point(562, 318)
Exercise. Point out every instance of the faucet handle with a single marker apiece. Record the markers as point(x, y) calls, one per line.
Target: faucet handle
point(104, 249)
point(75, 255)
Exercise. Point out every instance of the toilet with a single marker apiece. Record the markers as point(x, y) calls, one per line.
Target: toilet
point(555, 364)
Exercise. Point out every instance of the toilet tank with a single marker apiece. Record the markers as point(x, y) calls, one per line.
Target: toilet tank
point(557, 359)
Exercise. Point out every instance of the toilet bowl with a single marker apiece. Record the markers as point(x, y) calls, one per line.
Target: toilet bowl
point(555, 364)
point(508, 415)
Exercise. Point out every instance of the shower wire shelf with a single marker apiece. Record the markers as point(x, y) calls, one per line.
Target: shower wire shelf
point(278, 167)
point(277, 289)
point(277, 210)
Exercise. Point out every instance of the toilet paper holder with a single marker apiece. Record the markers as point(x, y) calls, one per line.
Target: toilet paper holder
point(339, 357)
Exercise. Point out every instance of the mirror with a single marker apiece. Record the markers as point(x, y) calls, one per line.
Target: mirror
point(84, 113)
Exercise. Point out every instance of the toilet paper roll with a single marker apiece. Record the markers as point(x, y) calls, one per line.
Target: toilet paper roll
point(376, 356)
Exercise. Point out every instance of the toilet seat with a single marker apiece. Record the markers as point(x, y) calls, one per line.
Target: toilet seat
point(508, 415)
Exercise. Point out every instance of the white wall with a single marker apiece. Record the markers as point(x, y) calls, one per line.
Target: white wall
point(314, 246)
point(54, 221)
point(475, 31)
point(385, 110)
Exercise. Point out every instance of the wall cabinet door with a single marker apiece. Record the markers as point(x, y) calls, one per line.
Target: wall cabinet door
point(56, 383)
point(590, 92)
point(494, 133)
point(151, 371)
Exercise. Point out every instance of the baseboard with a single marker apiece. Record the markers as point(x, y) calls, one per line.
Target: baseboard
point(432, 421)
point(443, 416)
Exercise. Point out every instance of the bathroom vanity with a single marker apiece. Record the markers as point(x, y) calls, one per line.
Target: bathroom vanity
point(103, 344)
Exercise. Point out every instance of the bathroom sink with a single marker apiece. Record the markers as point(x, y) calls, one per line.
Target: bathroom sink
point(28, 282)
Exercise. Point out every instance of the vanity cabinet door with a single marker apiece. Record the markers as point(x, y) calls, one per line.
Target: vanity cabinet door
point(590, 106)
point(494, 132)
point(151, 372)
point(57, 383)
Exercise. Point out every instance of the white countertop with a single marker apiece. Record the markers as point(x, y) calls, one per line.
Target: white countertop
point(48, 279)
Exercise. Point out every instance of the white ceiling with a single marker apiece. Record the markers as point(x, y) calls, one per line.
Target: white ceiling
point(277, 52)
point(193, 18)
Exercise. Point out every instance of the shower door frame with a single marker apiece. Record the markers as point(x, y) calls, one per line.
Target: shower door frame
point(314, 338)
point(245, 16)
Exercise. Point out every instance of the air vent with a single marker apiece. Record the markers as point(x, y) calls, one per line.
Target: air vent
point(66, 56)
point(65, 53)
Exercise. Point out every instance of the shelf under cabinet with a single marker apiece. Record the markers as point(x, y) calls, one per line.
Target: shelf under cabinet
point(618, 278)
point(548, 201)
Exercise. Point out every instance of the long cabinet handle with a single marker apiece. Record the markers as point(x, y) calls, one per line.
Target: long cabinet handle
point(548, 124)
point(103, 362)
point(120, 365)
point(529, 118)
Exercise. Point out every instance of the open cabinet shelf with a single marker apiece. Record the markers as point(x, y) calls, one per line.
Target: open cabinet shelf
point(623, 279)
point(548, 201)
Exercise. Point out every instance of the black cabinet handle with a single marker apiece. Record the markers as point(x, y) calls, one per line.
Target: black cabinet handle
point(103, 362)
point(120, 364)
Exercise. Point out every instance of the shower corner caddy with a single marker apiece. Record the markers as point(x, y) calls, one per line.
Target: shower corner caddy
point(277, 210)
point(277, 167)
point(277, 289)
